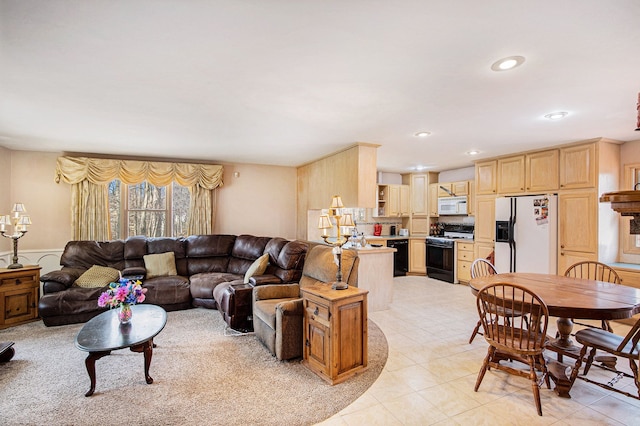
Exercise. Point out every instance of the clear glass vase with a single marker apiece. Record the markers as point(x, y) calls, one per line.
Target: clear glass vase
point(125, 313)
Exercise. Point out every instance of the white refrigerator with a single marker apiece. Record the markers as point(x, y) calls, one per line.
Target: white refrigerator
point(527, 234)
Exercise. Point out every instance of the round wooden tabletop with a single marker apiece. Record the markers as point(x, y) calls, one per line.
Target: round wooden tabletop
point(572, 297)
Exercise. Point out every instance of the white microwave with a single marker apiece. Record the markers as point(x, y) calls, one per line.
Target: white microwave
point(452, 206)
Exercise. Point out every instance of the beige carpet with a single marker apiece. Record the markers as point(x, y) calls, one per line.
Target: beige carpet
point(200, 377)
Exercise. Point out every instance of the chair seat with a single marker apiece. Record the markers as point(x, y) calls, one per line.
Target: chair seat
point(606, 341)
point(265, 310)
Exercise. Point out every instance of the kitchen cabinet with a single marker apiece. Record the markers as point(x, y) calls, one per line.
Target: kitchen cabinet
point(471, 202)
point(381, 201)
point(542, 171)
point(577, 227)
point(578, 166)
point(486, 177)
point(19, 292)
point(433, 199)
point(419, 194)
point(398, 200)
point(532, 172)
point(464, 258)
point(511, 174)
point(417, 256)
point(335, 331)
point(483, 250)
point(460, 188)
point(485, 227)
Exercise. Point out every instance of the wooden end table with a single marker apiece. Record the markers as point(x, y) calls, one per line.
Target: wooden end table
point(104, 333)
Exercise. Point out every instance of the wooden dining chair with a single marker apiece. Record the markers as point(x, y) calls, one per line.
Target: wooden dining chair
point(620, 346)
point(510, 337)
point(593, 270)
point(480, 268)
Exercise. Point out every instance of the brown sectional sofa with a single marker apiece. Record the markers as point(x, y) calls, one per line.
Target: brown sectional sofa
point(205, 265)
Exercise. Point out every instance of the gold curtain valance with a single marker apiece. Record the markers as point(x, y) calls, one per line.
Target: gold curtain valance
point(73, 170)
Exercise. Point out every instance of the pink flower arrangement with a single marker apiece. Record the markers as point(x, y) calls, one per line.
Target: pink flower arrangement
point(124, 292)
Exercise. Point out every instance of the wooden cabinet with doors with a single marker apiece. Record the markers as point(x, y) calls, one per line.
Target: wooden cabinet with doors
point(464, 258)
point(485, 225)
point(541, 169)
point(417, 256)
point(19, 293)
point(578, 166)
point(577, 227)
point(433, 199)
point(486, 177)
point(335, 331)
point(511, 175)
point(419, 194)
point(398, 200)
point(483, 251)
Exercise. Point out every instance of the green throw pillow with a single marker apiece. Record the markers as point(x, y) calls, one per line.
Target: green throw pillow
point(160, 265)
point(257, 267)
point(97, 276)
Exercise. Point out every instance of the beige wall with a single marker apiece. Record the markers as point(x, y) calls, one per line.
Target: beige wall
point(261, 201)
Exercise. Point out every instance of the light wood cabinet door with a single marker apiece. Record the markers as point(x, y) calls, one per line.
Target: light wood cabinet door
point(405, 200)
point(578, 224)
point(460, 188)
point(393, 200)
point(486, 177)
point(511, 175)
point(542, 171)
point(417, 256)
point(578, 166)
point(485, 227)
point(568, 258)
point(443, 192)
point(471, 202)
point(433, 199)
point(419, 194)
point(482, 250)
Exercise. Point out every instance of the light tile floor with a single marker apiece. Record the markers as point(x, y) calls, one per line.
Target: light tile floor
point(431, 371)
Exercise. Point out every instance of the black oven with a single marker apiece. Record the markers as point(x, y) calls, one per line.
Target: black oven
point(441, 259)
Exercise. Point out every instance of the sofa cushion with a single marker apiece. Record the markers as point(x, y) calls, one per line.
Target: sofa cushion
point(97, 276)
point(257, 267)
point(208, 253)
point(85, 254)
point(246, 249)
point(160, 265)
point(167, 291)
point(202, 285)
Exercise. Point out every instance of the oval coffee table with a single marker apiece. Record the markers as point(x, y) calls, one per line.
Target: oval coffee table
point(104, 333)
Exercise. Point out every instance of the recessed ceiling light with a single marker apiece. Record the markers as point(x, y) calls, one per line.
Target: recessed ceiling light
point(421, 168)
point(422, 134)
point(473, 152)
point(508, 63)
point(556, 115)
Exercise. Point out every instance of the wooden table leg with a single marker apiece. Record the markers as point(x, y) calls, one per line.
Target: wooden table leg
point(147, 349)
point(90, 363)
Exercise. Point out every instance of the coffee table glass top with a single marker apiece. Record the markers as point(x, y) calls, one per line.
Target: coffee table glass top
point(105, 333)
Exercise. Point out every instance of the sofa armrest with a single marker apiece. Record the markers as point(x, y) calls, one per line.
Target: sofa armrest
point(66, 276)
point(290, 308)
point(264, 279)
point(280, 291)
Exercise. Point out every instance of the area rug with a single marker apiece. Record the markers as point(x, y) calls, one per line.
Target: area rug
point(201, 376)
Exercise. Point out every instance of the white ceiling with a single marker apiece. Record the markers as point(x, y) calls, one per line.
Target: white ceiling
point(285, 82)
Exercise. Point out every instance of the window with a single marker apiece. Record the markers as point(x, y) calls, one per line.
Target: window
point(149, 210)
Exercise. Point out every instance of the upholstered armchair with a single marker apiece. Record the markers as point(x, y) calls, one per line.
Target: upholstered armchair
point(278, 311)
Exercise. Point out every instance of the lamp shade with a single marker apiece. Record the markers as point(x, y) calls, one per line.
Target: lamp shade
point(5, 220)
point(24, 220)
point(336, 202)
point(324, 222)
point(347, 220)
point(19, 208)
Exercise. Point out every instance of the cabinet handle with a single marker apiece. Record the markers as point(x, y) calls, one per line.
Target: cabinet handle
point(18, 282)
point(561, 245)
point(316, 312)
point(306, 343)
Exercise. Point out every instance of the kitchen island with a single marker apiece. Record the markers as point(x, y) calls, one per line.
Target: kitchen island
point(375, 273)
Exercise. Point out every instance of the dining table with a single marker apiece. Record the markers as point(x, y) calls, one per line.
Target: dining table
point(569, 298)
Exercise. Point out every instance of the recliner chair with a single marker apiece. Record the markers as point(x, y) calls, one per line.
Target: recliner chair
point(278, 311)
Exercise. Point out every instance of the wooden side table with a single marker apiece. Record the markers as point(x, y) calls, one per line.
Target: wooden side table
point(335, 331)
point(19, 294)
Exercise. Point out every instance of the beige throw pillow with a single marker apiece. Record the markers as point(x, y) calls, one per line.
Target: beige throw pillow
point(160, 265)
point(257, 267)
point(97, 276)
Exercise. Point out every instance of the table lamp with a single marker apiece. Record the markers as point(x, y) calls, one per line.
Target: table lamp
point(20, 221)
point(342, 219)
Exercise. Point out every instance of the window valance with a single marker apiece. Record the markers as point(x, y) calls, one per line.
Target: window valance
point(73, 170)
